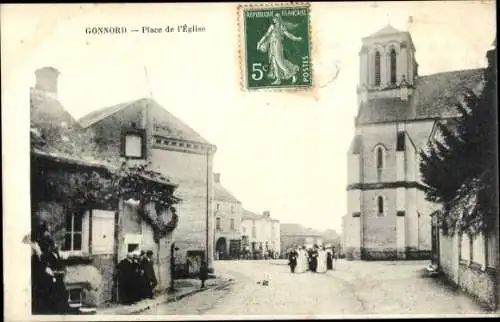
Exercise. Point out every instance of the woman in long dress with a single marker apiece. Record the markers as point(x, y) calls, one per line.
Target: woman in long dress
point(300, 261)
point(321, 261)
point(280, 68)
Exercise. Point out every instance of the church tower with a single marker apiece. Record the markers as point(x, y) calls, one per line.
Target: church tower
point(388, 67)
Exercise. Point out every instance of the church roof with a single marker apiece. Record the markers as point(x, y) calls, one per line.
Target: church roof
point(387, 30)
point(165, 122)
point(222, 194)
point(435, 96)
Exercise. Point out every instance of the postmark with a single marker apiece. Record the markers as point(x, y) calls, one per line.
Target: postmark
point(275, 46)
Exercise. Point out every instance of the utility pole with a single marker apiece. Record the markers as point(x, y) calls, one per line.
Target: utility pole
point(208, 212)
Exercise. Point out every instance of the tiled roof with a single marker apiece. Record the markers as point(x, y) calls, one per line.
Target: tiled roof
point(435, 96)
point(45, 108)
point(221, 194)
point(298, 230)
point(247, 214)
point(165, 123)
point(68, 144)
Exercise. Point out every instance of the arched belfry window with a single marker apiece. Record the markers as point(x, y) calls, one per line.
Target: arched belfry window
point(393, 65)
point(377, 68)
point(379, 160)
point(380, 206)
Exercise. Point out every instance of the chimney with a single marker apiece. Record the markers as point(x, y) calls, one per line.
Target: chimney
point(217, 177)
point(267, 213)
point(46, 79)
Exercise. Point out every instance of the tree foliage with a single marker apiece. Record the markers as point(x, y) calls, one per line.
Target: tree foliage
point(460, 170)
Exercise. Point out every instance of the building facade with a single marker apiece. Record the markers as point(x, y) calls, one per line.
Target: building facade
point(149, 131)
point(227, 213)
point(388, 216)
point(92, 240)
point(260, 235)
point(294, 235)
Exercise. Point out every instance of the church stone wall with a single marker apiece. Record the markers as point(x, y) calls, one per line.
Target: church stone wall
point(373, 135)
point(379, 233)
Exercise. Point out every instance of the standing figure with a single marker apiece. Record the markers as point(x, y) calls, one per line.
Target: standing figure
point(314, 258)
point(329, 260)
point(322, 266)
point(203, 273)
point(279, 67)
point(150, 281)
point(301, 261)
point(126, 277)
point(292, 260)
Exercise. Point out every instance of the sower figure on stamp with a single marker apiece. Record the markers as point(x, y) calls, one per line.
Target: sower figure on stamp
point(272, 42)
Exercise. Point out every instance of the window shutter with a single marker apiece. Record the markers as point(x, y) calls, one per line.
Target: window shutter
point(103, 230)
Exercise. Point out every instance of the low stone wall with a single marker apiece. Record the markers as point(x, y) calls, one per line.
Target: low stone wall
point(478, 284)
point(386, 254)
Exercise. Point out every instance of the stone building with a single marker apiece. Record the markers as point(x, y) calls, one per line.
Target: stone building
point(295, 235)
point(388, 216)
point(93, 241)
point(146, 129)
point(227, 213)
point(260, 234)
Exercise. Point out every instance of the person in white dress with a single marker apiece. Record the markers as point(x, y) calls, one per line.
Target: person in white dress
point(321, 261)
point(301, 268)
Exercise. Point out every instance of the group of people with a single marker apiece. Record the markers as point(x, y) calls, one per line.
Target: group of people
point(136, 277)
point(49, 293)
point(316, 260)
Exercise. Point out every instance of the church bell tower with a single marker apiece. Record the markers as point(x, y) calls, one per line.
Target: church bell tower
point(388, 67)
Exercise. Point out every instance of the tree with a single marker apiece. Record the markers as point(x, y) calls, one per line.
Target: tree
point(460, 171)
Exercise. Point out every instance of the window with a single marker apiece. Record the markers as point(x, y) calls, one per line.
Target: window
point(465, 248)
point(73, 236)
point(134, 143)
point(377, 68)
point(380, 206)
point(217, 223)
point(379, 160)
point(132, 247)
point(217, 206)
point(232, 208)
point(75, 297)
point(393, 66)
point(232, 224)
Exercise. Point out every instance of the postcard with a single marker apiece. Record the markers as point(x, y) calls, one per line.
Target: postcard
point(254, 160)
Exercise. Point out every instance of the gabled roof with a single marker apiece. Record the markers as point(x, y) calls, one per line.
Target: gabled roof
point(222, 194)
point(247, 214)
point(435, 96)
point(387, 30)
point(298, 230)
point(165, 123)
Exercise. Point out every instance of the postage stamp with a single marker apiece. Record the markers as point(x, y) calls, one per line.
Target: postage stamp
point(277, 49)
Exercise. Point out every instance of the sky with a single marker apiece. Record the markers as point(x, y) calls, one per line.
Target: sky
point(276, 151)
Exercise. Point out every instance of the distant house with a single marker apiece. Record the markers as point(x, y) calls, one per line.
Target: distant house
point(227, 213)
point(260, 234)
point(295, 235)
point(144, 129)
point(91, 236)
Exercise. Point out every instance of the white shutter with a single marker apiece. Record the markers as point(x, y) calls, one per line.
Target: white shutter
point(103, 230)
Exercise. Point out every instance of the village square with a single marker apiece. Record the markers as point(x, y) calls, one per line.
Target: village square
point(131, 212)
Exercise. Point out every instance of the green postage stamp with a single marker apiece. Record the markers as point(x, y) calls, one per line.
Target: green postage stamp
point(276, 42)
